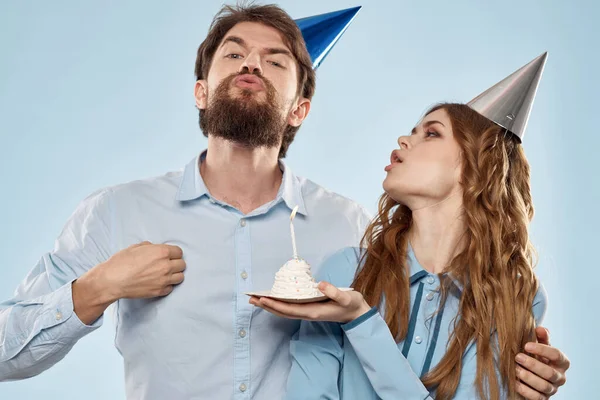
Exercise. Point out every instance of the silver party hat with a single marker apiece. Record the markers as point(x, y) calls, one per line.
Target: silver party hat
point(508, 103)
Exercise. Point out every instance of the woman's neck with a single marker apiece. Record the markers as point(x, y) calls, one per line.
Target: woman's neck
point(437, 233)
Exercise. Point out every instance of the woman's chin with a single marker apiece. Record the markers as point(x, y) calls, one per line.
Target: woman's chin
point(393, 194)
point(393, 188)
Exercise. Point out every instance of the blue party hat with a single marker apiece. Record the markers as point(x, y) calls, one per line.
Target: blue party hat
point(321, 32)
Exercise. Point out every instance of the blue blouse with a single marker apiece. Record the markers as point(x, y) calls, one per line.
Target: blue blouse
point(361, 360)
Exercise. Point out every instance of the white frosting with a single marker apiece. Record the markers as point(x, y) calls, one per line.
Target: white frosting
point(294, 280)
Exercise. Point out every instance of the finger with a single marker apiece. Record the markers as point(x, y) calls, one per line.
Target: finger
point(176, 278)
point(335, 294)
point(177, 265)
point(539, 368)
point(535, 382)
point(166, 291)
point(254, 301)
point(272, 311)
point(144, 243)
point(529, 393)
point(551, 353)
point(543, 335)
point(175, 252)
point(293, 311)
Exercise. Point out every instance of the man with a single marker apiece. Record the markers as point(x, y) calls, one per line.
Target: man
point(177, 252)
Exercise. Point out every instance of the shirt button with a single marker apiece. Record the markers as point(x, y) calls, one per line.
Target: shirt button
point(243, 222)
point(244, 275)
point(242, 333)
point(243, 387)
point(430, 279)
point(211, 200)
point(58, 315)
point(429, 297)
point(418, 340)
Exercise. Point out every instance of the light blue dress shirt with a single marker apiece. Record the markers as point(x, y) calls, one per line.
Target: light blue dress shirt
point(203, 341)
point(360, 360)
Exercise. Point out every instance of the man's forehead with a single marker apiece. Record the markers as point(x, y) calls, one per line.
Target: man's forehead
point(256, 35)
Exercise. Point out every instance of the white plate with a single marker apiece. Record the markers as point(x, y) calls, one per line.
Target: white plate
point(267, 293)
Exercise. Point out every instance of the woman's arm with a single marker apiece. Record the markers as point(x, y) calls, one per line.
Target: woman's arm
point(317, 355)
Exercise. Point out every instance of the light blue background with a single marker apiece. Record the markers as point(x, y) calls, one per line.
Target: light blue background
point(97, 93)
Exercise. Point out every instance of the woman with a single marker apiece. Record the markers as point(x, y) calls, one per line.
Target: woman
point(458, 204)
point(448, 265)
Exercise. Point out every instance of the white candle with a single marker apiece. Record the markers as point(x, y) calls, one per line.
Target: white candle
point(292, 230)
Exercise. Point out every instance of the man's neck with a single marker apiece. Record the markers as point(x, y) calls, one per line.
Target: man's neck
point(241, 177)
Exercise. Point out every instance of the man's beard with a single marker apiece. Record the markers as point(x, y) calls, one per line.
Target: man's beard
point(243, 119)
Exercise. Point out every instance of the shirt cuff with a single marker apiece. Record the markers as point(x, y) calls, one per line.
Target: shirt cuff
point(354, 323)
point(59, 309)
point(53, 310)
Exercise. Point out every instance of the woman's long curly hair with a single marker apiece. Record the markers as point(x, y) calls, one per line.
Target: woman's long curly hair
point(495, 267)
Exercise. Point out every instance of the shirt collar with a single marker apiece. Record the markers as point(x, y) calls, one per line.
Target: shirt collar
point(417, 272)
point(192, 185)
point(291, 189)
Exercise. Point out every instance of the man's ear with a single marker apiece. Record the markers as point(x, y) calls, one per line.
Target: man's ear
point(299, 113)
point(200, 91)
